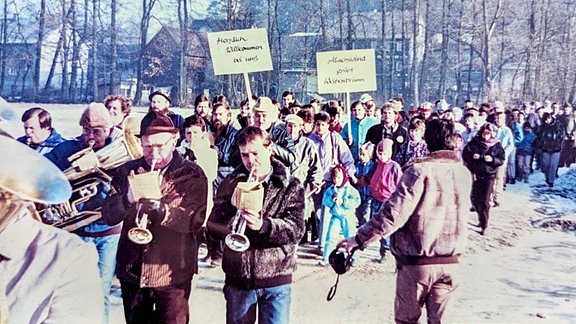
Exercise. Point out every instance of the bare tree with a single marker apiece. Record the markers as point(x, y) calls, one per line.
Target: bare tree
point(147, 6)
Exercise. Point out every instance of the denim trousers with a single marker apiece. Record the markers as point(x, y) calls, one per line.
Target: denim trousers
point(106, 247)
point(268, 305)
point(363, 211)
point(549, 165)
point(385, 242)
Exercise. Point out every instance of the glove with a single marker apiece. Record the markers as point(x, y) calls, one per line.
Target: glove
point(154, 209)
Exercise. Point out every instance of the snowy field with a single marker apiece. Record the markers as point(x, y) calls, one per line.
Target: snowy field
point(522, 271)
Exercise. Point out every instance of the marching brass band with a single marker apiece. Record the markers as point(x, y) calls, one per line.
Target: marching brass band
point(125, 190)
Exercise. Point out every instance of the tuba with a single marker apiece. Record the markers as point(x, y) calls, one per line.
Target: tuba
point(87, 175)
point(246, 194)
point(27, 177)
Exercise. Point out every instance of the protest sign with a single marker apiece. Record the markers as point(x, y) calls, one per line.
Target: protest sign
point(346, 71)
point(240, 51)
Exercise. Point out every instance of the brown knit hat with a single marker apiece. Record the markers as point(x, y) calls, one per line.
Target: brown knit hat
point(161, 93)
point(154, 123)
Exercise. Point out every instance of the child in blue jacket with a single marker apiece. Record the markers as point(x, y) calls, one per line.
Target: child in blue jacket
point(342, 200)
point(524, 152)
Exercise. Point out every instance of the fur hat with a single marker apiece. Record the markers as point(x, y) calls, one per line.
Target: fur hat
point(154, 123)
point(161, 93)
point(96, 115)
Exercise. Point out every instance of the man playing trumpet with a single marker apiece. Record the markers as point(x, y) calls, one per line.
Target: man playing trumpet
point(260, 277)
point(156, 276)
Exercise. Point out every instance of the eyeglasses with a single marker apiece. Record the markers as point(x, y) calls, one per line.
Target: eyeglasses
point(157, 146)
point(98, 131)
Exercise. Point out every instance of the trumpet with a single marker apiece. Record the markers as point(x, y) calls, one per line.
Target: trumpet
point(237, 241)
point(141, 234)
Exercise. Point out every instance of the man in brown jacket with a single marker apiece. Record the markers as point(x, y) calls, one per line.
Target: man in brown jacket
point(426, 218)
point(156, 276)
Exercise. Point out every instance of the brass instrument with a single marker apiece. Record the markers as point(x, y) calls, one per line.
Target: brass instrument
point(87, 175)
point(27, 177)
point(237, 240)
point(141, 234)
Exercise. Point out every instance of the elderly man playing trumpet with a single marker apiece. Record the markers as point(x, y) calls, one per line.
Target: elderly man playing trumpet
point(259, 257)
point(161, 198)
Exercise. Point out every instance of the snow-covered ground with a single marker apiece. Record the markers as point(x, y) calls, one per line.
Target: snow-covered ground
point(522, 271)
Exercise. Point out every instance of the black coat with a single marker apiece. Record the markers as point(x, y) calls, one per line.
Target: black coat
point(550, 136)
point(479, 167)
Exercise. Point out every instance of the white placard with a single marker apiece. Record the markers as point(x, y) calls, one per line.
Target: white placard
point(240, 51)
point(346, 71)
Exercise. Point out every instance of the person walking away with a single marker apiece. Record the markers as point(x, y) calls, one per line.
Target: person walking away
point(342, 200)
point(426, 219)
point(383, 183)
point(482, 156)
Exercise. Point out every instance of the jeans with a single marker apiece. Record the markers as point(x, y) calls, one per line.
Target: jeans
point(273, 305)
point(167, 305)
point(322, 216)
point(523, 166)
point(385, 242)
point(106, 247)
point(550, 165)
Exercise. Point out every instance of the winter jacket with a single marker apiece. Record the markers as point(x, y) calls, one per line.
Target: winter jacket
point(479, 167)
point(332, 151)
point(307, 166)
point(359, 128)
point(364, 173)
point(48, 145)
point(350, 200)
point(270, 259)
point(172, 256)
point(383, 182)
point(506, 138)
point(398, 134)
point(283, 148)
point(526, 146)
point(428, 214)
point(59, 156)
point(550, 137)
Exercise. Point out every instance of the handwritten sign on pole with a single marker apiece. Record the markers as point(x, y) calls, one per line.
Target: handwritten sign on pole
point(240, 51)
point(346, 71)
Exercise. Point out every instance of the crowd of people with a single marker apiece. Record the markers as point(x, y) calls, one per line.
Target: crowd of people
point(392, 174)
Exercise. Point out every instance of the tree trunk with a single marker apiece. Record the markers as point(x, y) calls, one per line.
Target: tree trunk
point(75, 55)
point(95, 65)
point(416, 53)
point(183, 21)
point(147, 6)
point(39, 45)
point(3, 48)
point(113, 47)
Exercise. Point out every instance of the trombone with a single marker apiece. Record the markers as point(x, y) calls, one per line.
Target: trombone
point(237, 241)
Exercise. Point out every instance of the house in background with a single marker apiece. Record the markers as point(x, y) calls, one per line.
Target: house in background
point(162, 62)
